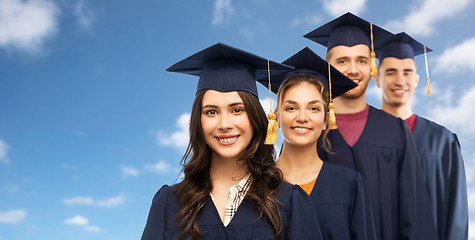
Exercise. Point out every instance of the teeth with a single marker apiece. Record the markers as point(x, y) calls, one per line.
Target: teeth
point(399, 91)
point(227, 140)
point(301, 129)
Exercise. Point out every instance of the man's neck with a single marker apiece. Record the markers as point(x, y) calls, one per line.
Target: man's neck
point(400, 111)
point(349, 105)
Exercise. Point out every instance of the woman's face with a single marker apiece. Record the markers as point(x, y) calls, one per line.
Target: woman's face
point(302, 114)
point(225, 123)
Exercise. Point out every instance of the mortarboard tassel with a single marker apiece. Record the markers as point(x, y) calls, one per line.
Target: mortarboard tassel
point(374, 69)
point(427, 71)
point(271, 136)
point(331, 111)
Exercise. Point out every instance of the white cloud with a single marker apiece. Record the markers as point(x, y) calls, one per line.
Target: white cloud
point(129, 171)
point(3, 152)
point(306, 21)
point(463, 109)
point(111, 202)
point(93, 229)
point(375, 92)
point(78, 201)
point(471, 229)
point(222, 10)
point(12, 216)
point(84, 14)
point(159, 167)
point(26, 24)
point(339, 7)
point(457, 58)
point(88, 201)
point(179, 138)
point(82, 221)
point(423, 16)
point(77, 220)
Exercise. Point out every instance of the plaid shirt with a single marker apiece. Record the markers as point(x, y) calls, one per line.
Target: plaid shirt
point(236, 196)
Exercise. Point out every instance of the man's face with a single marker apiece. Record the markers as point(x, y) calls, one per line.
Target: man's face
point(397, 78)
point(353, 62)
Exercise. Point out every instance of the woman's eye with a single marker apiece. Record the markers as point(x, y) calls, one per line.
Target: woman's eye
point(315, 109)
point(238, 110)
point(211, 112)
point(289, 108)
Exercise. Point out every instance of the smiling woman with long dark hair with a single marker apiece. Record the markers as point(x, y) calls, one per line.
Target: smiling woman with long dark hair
point(232, 188)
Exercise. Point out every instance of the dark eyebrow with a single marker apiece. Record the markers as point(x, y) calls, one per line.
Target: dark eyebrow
point(311, 102)
point(209, 106)
point(236, 104)
point(408, 70)
point(390, 70)
point(315, 101)
point(215, 106)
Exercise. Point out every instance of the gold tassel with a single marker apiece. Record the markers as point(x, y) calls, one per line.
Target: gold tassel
point(427, 71)
point(331, 111)
point(331, 117)
point(271, 137)
point(428, 86)
point(374, 69)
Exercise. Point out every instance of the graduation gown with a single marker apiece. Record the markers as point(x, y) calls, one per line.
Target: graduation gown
point(386, 157)
point(443, 168)
point(342, 204)
point(298, 218)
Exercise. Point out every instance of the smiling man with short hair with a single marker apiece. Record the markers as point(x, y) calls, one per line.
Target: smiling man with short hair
point(438, 148)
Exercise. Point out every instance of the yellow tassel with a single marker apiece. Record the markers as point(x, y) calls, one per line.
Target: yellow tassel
point(374, 69)
point(428, 86)
point(331, 117)
point(271, 137)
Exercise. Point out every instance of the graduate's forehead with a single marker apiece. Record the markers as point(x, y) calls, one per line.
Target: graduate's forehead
point(398, 64)
point(356, 51)
point(213, 98)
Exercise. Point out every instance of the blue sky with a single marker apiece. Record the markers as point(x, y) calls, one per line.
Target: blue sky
point(91, 124)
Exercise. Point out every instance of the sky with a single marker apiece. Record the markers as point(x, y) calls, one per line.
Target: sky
point(91, 124)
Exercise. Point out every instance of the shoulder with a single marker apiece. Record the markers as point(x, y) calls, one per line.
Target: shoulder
point(431, 127)
point(432, 135)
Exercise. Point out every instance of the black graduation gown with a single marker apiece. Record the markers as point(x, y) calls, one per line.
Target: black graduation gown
point(298, 218)
point(386, 157)
point(342, 204)
point(443, 168)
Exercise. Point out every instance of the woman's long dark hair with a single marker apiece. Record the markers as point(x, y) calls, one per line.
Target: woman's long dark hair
point(323, 141)
point(193, 192)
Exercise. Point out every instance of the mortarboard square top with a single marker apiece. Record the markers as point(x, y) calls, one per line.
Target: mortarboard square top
point(347, 30)
point(308, 62)
point(224, 68)
point(400, 46)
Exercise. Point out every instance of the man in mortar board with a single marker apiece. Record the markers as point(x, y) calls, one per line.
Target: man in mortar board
point(370, 141)
point(439, 149)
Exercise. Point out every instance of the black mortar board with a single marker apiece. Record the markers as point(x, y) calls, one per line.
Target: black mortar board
point(347, 30)
point(224, 68)
point(308, 62)
point(400, 46)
